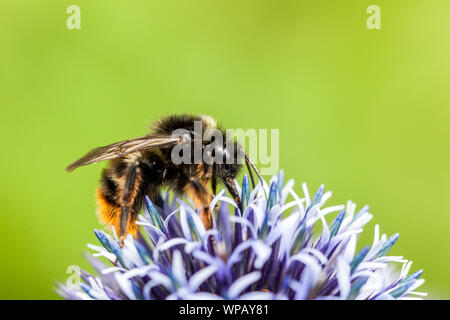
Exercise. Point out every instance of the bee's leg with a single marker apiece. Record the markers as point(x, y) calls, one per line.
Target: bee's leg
point(197, 191)
point(250, 173)
point(206, 217)
point(214, 185)
point(229, 183)
point(133, 180)
point(124, 223)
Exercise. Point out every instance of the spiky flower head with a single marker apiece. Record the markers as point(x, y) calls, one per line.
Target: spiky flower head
point(276, 246)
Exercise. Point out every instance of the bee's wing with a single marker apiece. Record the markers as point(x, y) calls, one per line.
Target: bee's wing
point(119, 149)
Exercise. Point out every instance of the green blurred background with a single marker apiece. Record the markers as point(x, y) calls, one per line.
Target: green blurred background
point(364, 112)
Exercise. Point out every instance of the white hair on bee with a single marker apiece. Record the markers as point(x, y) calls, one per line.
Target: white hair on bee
point(210, 121)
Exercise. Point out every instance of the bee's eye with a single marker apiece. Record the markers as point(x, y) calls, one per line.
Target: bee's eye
point(227, 166)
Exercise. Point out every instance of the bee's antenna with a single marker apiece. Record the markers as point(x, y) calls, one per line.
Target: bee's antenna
point(248, 161)
point(250, 172)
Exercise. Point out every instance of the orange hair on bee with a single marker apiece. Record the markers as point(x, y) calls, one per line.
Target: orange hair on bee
point(109, 214)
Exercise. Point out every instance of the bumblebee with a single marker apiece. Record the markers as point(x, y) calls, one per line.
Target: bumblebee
point(144, 166)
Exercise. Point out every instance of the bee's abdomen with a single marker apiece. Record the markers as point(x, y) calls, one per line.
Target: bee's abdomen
point(109, 188)
point(108, 212)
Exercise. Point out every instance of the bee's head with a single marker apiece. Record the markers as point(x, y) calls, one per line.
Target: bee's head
point(228, 161)
point(227, 164)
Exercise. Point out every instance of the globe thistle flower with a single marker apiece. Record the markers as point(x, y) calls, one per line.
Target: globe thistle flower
point(270, 248)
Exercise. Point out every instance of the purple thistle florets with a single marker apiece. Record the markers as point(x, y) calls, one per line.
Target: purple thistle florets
point(268, 249)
